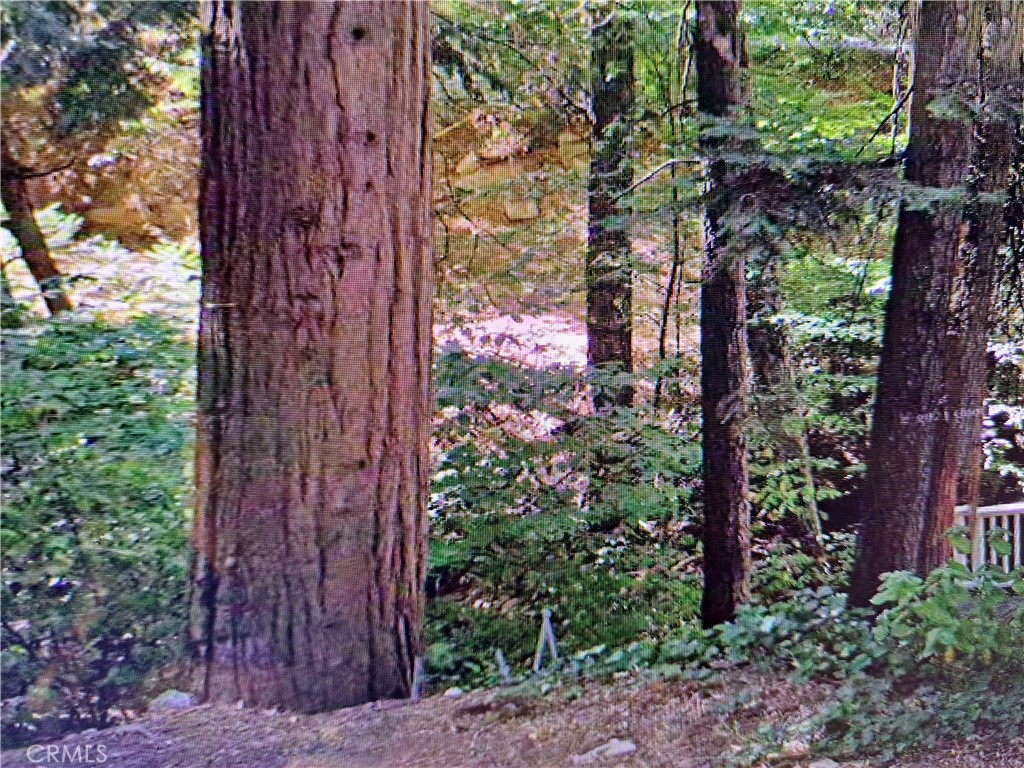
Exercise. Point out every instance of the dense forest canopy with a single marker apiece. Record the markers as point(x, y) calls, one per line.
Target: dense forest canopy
point(537, 342)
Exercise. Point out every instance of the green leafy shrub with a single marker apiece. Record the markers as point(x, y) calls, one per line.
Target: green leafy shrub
point(788, 568)
point(812, 633)
point(512, 533)
point(95, 478)
point(941, 662)
point(951, 665)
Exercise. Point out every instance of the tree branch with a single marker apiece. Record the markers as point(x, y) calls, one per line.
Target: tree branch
point(29, 173)
point(881, 125)
point(667, 164)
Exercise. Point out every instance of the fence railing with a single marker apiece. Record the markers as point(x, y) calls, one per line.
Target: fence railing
point(980, 522)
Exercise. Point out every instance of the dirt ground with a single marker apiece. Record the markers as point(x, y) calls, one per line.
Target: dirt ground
point(659, 724)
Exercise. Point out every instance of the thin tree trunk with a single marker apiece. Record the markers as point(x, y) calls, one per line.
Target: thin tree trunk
point(314, 353)
point(22, 224)
point(781, 409)
point(672, 99)
point(899, 69)
point(666, 307)
point(608, 269)
point(725, 368)
point(932, 372)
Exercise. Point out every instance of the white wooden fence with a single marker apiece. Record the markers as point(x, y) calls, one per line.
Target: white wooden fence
point(982, 520)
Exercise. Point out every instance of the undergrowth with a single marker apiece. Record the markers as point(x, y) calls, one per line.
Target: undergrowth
point(95, 477)
point(517, 527)
point(941, 662)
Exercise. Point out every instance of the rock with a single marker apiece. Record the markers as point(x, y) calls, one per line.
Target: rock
point(468, 164)
point(521, 210)
point(824, 763)
point(794, 750)
point(791, 750)
point(505, 142)
point(172, 701)
point(453, 693)
point(571, 148)
point(610, 749)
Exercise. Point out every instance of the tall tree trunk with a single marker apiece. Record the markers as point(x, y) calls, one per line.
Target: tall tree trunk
point(22, 224)
point(725, 365)
point(966, 107)
point(312, 462)
point(781, 409)
point(608, 269)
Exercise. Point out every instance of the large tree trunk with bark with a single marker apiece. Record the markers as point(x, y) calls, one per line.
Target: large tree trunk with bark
point(22, 224)
point(966, 108)
point(312, 464)
point(725, 365)
point(608, 268)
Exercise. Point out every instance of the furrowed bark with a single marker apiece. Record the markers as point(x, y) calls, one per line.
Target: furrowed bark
point(725, 364)
point(312, 461)
point(965, 112)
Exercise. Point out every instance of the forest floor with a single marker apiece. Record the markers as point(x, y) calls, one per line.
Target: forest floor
point(628, 723)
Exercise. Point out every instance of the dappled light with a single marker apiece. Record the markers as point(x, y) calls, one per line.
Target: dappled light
point(476, 384)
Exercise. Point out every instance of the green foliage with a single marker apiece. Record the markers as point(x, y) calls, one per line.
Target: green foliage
point(517, 528)
point(12, 314)
point(821, 75)
point(942, 661)
point(511, 52)
point(811, 632)
point(807, 630)
point(512, 533)
point(87, 54)
point(953, 614)
point(788, 568)
point(834, 312)
point(819, 121)
point(1003, 444)
point(951, 665)
point(95, 475)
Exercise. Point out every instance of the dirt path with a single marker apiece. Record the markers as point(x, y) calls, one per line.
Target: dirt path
point(658, 725)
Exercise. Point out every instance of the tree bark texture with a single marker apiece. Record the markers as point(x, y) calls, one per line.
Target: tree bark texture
point(725, 365)
point(22, 224)
point(931, 381)
point(608, 267)
point(312, 461)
